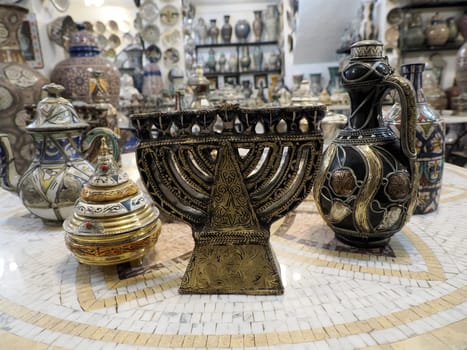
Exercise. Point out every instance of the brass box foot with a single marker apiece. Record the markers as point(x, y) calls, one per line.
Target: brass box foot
point(232, 269)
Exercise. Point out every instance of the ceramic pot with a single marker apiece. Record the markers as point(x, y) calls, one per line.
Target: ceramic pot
point(53, 181)
point(461, 68)
point(20, 85)
point(366, 187)
point(437, 33)
point(430, 141)
point(226, 30)
point(75, 72)
point(242, 30)
point(258, 25)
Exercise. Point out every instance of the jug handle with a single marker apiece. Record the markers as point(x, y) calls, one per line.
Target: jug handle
point(94, 133)
point(408, 114)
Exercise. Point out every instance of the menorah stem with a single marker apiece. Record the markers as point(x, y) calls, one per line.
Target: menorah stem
point(232, 252)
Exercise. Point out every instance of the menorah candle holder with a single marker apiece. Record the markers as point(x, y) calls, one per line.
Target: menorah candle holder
point(230, 172)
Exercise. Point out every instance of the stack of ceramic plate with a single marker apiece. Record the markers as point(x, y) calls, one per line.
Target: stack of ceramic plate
point(113, 222)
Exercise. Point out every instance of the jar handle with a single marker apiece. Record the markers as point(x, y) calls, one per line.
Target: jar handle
point(98, 132)
point(408, 114)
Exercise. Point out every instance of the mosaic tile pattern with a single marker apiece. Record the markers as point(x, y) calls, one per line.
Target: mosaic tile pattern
point(411, 295)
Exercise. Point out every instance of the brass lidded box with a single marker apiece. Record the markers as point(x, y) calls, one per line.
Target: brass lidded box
point(112, 222)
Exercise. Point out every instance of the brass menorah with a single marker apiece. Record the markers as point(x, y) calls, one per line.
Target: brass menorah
point(230, 172)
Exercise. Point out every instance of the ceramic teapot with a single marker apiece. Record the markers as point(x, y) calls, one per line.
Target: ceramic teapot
point(53, 181)
point(366, 187)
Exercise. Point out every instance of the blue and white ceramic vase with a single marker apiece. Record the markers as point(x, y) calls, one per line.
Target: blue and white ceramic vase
point(430, 142)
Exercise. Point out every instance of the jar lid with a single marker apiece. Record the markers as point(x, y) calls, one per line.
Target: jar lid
point(55, 112)
point(367, 49)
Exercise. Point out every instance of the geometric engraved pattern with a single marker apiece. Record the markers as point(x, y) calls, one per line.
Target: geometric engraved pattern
point(411, 295)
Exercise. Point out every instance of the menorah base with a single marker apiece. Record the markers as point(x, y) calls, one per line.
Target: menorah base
point(232, 268)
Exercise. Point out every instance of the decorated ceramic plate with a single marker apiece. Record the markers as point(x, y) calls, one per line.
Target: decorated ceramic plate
point(395, 16)
point(171, 56)
point(100, 27)
point(171, 37)
point(169, 15)
point(149, 11)
point(102, 41)
point(113, 26)
point(150, 34)
point(114, 41)
point(153, 53)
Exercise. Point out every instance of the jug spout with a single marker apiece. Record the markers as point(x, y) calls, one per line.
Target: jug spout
point(9, 177)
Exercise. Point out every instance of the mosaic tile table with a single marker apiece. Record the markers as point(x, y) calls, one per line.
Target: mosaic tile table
point(410, 295)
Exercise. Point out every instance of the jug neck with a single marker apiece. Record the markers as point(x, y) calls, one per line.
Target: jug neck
point(414, 73)
point(365, 107)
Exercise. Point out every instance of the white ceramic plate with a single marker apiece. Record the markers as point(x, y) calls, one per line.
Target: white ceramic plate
point(150, 34)
point(149, 11)
point(169, 15)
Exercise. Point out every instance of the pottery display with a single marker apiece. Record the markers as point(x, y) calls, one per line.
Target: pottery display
point(258, 25)
point(52, 183)
point(430, 141)
point(226, 30)
point(20, 86)
point(242, 30)
point(230, 201)
point(112, 222)
point(366, 188)
point(437, 33)
point(75, 72)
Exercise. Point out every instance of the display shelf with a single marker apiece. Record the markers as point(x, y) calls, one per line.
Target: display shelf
point(247, 72)
point(447, 47)
point(433, 5)
point(250, 43)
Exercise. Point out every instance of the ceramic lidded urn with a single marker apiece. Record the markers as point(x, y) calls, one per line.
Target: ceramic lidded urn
point(52, 183)
point(20, 86)
point(75, 72)
point(200, 87)
point(112, 222)
point(366, 187)
point(430, 141)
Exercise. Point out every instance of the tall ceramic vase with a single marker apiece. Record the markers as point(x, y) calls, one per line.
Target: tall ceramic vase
point(367, 184)
point(20, 85)
point(226, 30)
point(430, 135)
point(271, 23)
point(258, 25)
